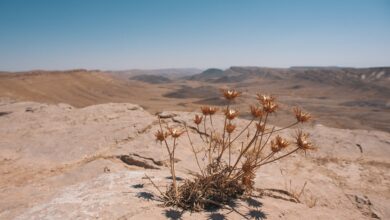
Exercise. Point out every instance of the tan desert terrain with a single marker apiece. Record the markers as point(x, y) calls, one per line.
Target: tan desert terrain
point(336, 98)
point(77, 144)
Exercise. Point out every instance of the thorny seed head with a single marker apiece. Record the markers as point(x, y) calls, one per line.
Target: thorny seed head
point(270, 106)
point(198, 119)
point(212, 110)
point(260, 127)
point(265, 98)
point(160, 135)
point(302, 141)
point(230, 128)
point(207, 110)
point(274, 147)
point(175, 133)
point(256, 112)
point(230, 94)
point(279, 143)
point(231, 114)
point(301, 116)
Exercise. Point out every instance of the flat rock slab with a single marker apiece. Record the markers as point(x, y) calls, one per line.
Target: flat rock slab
point(61, 162)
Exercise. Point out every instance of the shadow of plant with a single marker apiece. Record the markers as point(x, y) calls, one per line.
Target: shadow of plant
point(173, 214)
point(256, 214)
point(177, 178)
point(233, 203)
point(138, 186)
point(253, 203)
point(216, 216)
point(214, 208)
point(145, 195)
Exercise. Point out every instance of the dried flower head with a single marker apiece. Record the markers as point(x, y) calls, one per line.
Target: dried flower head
point(230, 94)
point(274, 147)
point(260, 127)
point(198, 119)
point(230, 128)
point(212, 110)
point(270, 106)
point(256, 112)
point(265, 98)
point(160, 135)
point(281, 142)
point(231, 114)
point(207, 110)
point(301, 116)
point(175, 133)
point(302, 142)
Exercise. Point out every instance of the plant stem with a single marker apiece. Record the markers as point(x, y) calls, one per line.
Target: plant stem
point(278, 158)
point(165, 141)
point(229, 148)
point(211, 122)
point(242, 153)
point(223, 142)
point(267, 157)
point(173, 168)
point(261, 138)
point(288, 126)
point(265, 143)
point(260, 119)
point(193, 150)
point(262, 133)
point(155, 186)
point(246, 127)
point(210, 160)
point(224, 126)
point(200, 134)
point(204, 126)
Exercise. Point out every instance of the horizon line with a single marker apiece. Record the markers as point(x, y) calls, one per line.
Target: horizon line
point(182, 68)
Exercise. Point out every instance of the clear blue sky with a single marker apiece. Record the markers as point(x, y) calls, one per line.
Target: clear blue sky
point(102, 34)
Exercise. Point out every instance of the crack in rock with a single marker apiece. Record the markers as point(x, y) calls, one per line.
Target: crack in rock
point(129, 160)
point(4, 113)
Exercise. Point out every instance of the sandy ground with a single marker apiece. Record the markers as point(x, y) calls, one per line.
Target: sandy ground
point(62, 162)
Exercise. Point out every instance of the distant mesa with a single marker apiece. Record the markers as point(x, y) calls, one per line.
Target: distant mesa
point(153, 79)
point(375, 79)
point(172, 73)
point(212, 73)
point(237, 74)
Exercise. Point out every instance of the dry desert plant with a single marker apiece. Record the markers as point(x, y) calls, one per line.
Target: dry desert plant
point(226, 176)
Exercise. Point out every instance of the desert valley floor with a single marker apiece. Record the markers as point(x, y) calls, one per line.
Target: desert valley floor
point(77, 144)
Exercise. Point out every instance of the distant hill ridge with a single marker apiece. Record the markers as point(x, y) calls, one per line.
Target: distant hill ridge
point(324, 75)
point(38, 72)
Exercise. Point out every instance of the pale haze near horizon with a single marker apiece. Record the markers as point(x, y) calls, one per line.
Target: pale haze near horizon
point(115, 35)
